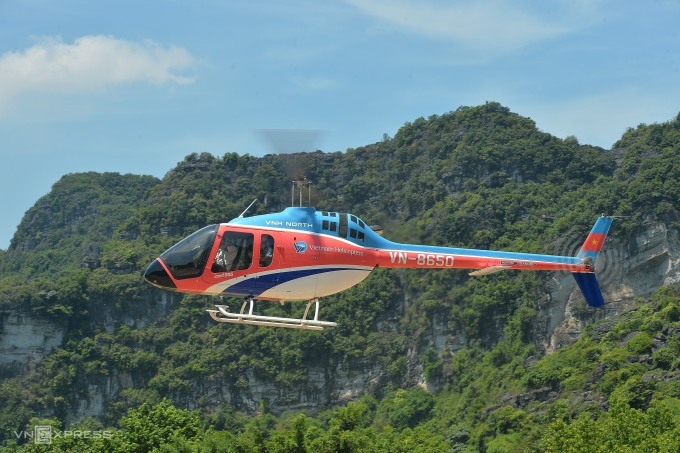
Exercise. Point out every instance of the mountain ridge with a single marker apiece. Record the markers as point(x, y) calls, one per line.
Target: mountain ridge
point(477, 177)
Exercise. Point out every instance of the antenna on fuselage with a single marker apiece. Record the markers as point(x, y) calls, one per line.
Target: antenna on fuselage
point(246, 209)
point(300, 184)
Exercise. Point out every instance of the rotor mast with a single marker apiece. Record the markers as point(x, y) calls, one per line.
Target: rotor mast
point(300, 185)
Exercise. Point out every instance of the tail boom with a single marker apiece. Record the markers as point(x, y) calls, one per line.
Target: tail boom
point(427, 257)
point(582, 266)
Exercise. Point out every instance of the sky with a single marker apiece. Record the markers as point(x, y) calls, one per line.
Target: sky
point(135, 86)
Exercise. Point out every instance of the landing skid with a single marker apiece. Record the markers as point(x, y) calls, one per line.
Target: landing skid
point(222, 314)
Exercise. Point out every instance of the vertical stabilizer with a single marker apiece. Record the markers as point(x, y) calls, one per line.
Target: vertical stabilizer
point(595, 240)
point(587, 282)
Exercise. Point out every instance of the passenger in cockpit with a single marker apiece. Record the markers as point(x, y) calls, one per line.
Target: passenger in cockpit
point(225, 255)
point(266, 250)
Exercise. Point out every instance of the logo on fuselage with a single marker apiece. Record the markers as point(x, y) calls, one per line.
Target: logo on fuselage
point(300, 246)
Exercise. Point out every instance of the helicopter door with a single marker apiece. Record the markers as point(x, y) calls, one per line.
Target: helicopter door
point(266, 252)
point(235, 253)
point(266, 266)
point(232, 261)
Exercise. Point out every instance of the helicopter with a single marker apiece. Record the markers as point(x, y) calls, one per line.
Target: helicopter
point(301, 254)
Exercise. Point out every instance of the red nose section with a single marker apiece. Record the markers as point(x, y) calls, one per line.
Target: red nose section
point(158, 276)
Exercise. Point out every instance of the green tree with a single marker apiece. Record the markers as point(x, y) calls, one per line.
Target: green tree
point(149, 427)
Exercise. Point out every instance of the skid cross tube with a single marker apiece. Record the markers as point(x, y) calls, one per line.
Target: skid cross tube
point(222, 314)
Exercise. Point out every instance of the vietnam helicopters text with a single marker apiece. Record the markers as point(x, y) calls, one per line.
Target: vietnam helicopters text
point(302, 254)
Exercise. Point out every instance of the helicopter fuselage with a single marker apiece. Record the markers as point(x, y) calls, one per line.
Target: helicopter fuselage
point(305, 254)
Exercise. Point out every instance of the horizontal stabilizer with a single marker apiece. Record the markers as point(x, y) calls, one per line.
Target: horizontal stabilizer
point(590, 288)
point(487, 270)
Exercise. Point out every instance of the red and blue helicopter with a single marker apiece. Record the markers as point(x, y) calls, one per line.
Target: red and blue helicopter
point(302, 254)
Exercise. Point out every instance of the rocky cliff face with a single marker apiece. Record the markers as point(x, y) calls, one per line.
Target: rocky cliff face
point(25, 340)
point(627, 268)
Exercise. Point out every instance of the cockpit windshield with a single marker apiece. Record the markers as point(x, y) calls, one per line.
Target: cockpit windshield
point(188, 257)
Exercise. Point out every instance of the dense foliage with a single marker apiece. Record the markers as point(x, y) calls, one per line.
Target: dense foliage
point(477, 177)
point(628, 366)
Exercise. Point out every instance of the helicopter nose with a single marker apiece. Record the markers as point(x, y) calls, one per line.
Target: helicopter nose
point(158, 276)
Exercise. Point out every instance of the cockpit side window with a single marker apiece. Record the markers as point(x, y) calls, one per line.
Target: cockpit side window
point(188, 257)
point(235, 252)
point(266, 250)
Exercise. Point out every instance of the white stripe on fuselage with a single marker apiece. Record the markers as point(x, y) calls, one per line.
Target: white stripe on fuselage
point(317, 285)
point(307, 287)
